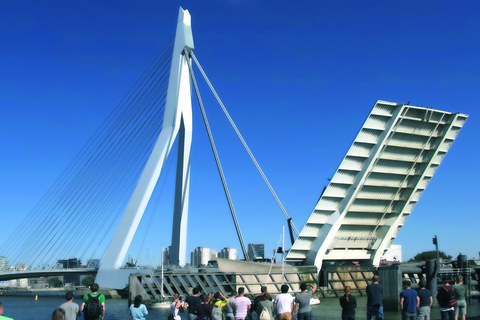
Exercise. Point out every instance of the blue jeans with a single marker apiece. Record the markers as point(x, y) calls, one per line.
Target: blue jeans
point(375, 312)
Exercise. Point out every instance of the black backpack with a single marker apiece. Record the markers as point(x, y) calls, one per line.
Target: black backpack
point(92, 308)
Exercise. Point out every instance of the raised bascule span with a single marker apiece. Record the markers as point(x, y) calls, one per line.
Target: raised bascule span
point(377, 185)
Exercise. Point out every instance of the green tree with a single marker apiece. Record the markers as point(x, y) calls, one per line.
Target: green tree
point(88, 281)
point(55, 283)
point(426, 255)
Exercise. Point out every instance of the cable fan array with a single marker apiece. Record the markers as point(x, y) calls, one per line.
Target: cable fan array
point(75, 217)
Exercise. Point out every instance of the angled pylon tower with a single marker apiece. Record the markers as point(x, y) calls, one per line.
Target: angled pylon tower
point(177, 123)
point(377, 185)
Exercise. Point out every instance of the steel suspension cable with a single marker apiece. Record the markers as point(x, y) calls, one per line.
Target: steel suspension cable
point(57, 240)
point(215, 154)
point(244, 143)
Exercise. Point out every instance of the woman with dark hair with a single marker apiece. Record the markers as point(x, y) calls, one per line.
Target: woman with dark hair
point(58, 314)
point(138, 311)
point(206, 307)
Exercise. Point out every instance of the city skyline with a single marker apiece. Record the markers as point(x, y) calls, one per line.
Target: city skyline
point(316, 75)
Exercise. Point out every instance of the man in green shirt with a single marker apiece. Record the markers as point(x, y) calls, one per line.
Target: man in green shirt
point(93, 306)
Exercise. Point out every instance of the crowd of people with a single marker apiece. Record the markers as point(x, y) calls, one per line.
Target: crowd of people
point(414, 304)
point(237, 306)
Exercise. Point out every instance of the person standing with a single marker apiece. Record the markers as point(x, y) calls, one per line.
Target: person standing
point(263, 303)
point(460, 292)
point(138, 310)
point(445, 298)
point(284, 304)
point(425, 302)
point(241, 305)
point(408, 301)
point(348, 304)
point(219, 301)
point(72, 310)
point(93, 305)
point(375, 299)
point(229, 314)
point(2, 317)
point(206, 307)
point(302, 302)
point(175, 307)
point(194, 305)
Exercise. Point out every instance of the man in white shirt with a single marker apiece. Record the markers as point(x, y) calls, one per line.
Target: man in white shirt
point(284, 304)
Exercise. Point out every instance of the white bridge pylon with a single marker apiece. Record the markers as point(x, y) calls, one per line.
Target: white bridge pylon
point(177, 123)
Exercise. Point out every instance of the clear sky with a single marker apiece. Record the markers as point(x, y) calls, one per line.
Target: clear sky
point(299, 78)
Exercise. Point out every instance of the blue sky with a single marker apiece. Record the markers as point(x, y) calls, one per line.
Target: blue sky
point(298, 78)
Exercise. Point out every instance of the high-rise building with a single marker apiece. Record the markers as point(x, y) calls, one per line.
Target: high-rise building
point(71, 263)
point(256, 251)
point(3, 264)
point(200, 257)
point(213, 255)
point(228, 253)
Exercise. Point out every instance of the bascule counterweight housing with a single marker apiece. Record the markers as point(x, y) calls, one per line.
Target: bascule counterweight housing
point(377, 185)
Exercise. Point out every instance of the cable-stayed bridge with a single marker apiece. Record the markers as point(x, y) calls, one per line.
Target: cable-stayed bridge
point(95, 207)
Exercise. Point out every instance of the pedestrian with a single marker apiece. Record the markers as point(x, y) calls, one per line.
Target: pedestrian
point(93, 305)
point(302, 302)
point(206, 307)
point(446, 300)
point(408, 301)
point(58, 314)
point(218, 302)
point(138, 310)
point(72, 310)
point(460, 291)
point(263, 305)
point(194, 305)
point(175, 307)
point(284, 304)
point(348, 304)
point(229, 314)
point(241, 305)
point(425, 302)
point(2, 317)
point(375, 299)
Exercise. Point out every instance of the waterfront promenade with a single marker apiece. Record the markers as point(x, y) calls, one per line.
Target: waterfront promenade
point(21, 308)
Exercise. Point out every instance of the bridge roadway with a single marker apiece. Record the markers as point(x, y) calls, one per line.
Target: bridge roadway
point(10, 275)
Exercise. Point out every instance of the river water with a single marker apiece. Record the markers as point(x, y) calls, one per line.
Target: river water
point(21, 308)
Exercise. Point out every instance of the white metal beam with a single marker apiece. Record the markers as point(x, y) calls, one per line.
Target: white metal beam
point(178, 115)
